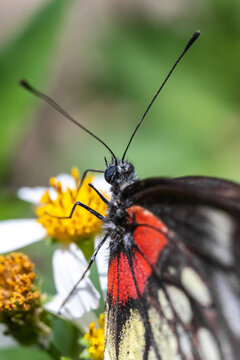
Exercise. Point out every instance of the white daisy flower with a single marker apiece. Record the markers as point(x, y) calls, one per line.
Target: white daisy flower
point(68, 260)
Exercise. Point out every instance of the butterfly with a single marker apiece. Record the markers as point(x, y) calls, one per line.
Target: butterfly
point(173, 278)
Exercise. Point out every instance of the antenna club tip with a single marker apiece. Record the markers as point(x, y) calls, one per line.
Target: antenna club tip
point(21, 81)
point(196, 34)
point(24, 83)
point(192, 40)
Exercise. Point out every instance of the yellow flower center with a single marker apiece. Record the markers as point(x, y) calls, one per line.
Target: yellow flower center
point(83, 224)
point(95, 338)
point(16, 283)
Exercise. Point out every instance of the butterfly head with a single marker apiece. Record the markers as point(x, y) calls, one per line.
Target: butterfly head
point(119, 173)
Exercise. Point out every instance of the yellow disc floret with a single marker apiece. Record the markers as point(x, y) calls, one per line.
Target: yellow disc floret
point(83, 224)
point(95, 339)
point(16, 283)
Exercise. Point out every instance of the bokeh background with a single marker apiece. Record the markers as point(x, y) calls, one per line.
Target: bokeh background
point(103, 61)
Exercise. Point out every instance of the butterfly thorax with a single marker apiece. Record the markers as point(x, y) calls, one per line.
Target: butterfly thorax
point(119, 175)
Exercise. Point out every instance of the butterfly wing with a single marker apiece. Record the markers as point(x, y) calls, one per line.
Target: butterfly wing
point(203, 211)
point(174, 294)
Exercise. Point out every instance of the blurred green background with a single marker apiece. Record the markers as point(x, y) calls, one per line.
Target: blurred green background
point(103, 62)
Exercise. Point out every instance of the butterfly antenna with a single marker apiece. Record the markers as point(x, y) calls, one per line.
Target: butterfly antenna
point(189, 44)
point(57, 107)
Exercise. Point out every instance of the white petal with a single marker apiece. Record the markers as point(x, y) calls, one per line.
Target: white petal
point(32, 195)
point(102, 260)
point(15, 234)
point(82, 322)
point(54, 305)
point(67, 181)
point(6, 340)
point(69, 264)
point(53, 193)
point(100, 184)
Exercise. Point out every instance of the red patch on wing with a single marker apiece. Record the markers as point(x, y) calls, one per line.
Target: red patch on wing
point(121, 284)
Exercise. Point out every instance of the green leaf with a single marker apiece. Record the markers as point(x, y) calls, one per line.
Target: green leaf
point(23, 353)
point(84, 355)
point(25, 56)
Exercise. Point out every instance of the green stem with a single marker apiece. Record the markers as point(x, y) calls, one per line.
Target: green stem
point(51, 350)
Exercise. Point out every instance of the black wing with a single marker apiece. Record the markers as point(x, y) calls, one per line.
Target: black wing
point(204, 212)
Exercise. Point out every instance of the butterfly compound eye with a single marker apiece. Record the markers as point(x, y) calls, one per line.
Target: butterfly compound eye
point(129, 169)
point(110, 174)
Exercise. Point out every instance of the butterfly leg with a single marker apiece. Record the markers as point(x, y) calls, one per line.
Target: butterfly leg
point(79, 203)
point(85, 174)
point(99, 194)
point(93, 257)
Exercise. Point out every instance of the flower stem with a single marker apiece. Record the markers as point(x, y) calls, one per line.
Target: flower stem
point(51, 350)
